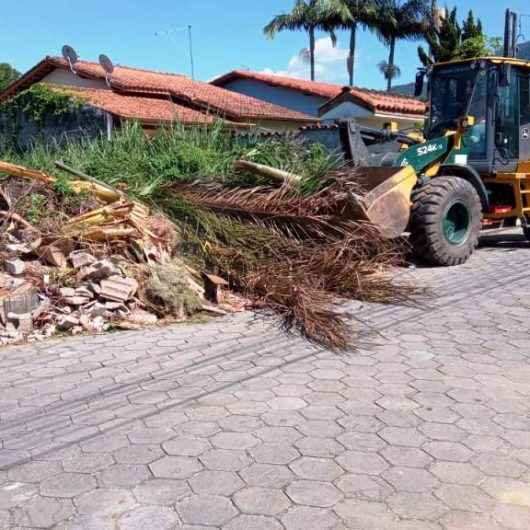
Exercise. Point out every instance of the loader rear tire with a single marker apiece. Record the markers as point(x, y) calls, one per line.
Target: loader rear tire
point(445, 221)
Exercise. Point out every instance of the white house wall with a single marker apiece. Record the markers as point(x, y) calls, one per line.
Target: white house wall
point(366, 117)
point(66, 77)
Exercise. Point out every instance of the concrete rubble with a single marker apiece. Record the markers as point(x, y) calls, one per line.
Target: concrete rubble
point(91, 274)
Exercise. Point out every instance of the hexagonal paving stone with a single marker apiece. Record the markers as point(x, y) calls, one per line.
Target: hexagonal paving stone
point(267, 476)
point(513, 517)
point(468, 498)
point(416, 506)
point(355, 423)
point(225, 460)
point(34, 472)
point(282, 418)
point(240, 423)
point(199, 428)
point(410, 479)
point(252, 522)
point(455, 520)
point(363, 463)
point(507, 491)
point(451, 451)
point(456, 472)
point(186, 446)
point(286, 403)
point(215, 483)
point(161, 491)
point(320, 412)
point(406, 456)
point(407, 436)
point(138, 454)
point(150, 436)
point(248, 408)
point(175, 467)
point(518, 438)
point(261, 501)
point(67, 485)
point(323, 447)
point(364, 487)
point(441, 431)
point(327, 374)
point(320, 428)
point(234, 440)
point(438, 415)
point(499, 465)
point(161, 518)
point(123, 475)
point(371, 515)
point(311, 493)
point(306, 518)
point(277, 435)
point(360, 441)
point(16, 493)
point(90, 463)
point(206, 510)
point(316, 468)
point(105, 502)
point(281, 453)
point(43, 512)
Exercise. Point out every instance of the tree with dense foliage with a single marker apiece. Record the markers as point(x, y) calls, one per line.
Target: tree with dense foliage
point(309, 16)
point(8, 74)
point(449, 40)
point(398, 20)
point(350, 15)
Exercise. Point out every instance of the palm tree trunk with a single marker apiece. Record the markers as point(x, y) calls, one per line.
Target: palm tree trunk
point(391, 59)
point(312, 51)
point(351, 58)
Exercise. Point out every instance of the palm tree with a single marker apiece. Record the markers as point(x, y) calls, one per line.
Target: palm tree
point(398, 20)
point(309, 16)
point(349, 15)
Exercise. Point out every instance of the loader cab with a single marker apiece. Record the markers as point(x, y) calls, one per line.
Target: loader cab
point(496, 92)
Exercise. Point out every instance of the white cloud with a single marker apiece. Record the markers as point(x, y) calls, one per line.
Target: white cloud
point(330, 63)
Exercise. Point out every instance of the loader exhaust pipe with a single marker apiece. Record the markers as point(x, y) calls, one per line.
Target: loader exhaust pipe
point(510, 34)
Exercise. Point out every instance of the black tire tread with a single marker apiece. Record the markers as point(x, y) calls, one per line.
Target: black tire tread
point(426, 203)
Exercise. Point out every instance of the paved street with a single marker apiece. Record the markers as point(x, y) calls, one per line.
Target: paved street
point(234, 425)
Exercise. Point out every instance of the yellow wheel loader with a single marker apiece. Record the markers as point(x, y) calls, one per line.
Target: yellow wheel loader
point(472, 169)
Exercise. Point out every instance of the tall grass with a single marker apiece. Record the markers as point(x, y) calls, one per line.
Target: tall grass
point(175, 154)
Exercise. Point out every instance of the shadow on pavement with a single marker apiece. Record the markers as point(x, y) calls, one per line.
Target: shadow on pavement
point(508, 241)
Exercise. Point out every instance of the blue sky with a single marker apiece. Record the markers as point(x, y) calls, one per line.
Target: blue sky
point(227, 35)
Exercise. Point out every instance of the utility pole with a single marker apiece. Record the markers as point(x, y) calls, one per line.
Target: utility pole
point(190, 40)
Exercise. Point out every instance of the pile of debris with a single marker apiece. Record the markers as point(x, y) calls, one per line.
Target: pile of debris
point(112, 267)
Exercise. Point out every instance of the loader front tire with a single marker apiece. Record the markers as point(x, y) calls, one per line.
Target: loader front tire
point(446, 220)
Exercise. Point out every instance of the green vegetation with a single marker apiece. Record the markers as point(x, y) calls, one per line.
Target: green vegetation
point(449, 40)
point(146, 166)
point(8, 74)
point(397, 20)
point(35, 104)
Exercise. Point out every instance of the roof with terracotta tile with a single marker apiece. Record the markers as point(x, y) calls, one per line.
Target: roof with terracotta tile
point(146, 109)
point(199, 95)
point(378, 101)
point(315, 88)
point(375, 100)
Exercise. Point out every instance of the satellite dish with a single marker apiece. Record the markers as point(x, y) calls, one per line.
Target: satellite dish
point(106, 64)
point(70, 56)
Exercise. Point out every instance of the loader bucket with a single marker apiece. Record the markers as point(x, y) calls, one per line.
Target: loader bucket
point(386, 198)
